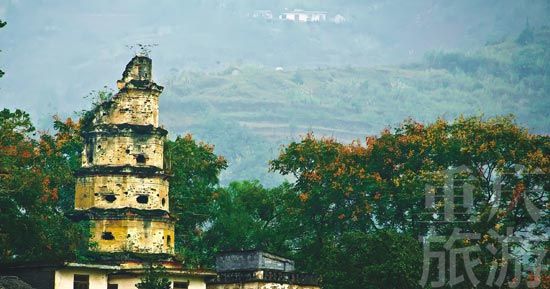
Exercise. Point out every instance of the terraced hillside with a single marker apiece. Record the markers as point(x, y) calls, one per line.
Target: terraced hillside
point(247, 112)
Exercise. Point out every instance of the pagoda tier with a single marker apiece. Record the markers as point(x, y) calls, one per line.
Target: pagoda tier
point(122, 187)
point(124, 144)
point(129, 230)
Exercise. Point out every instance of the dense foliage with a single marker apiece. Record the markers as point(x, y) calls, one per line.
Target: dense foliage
point(195, 170)
point(245, 215)
point(36, 171)
point(383, 185)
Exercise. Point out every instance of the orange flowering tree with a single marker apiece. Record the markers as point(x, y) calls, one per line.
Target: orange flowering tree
point(335, 191)
point(383, 184)
point(34, 170)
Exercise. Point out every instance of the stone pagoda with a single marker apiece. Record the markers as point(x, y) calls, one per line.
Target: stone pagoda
point(122, 185)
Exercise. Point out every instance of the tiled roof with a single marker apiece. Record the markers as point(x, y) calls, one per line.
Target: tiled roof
point(12, 282)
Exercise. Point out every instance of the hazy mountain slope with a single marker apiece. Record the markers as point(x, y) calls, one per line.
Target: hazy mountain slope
point(54, 52)
point(248, 111)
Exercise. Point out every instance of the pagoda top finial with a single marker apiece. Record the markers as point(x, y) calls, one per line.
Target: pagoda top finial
point(142, 50)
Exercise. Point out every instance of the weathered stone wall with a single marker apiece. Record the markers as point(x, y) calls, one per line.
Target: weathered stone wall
point(134, 235)
point(238, 261)
point(113, 150)
point(259, 285)
point(269, 261)
point(249, 260)
point(120, 191)
point(131, 106)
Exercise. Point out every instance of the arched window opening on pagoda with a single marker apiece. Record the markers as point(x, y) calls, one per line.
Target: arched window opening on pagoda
point(109, 198)
point(107, 236)
point(142, 199)
point(140, 159)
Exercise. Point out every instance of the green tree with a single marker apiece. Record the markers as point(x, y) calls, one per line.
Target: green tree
point(195, 170)
point(381, 259)
point(245, 215)
point(154, 278)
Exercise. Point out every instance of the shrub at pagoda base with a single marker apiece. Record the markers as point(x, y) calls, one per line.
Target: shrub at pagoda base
point(155, 277)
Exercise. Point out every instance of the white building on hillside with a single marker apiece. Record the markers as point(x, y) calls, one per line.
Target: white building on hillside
point(265, 14)
point(298, 15)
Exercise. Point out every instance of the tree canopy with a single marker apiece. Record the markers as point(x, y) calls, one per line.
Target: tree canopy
point(35, 170)
point(346, 190)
